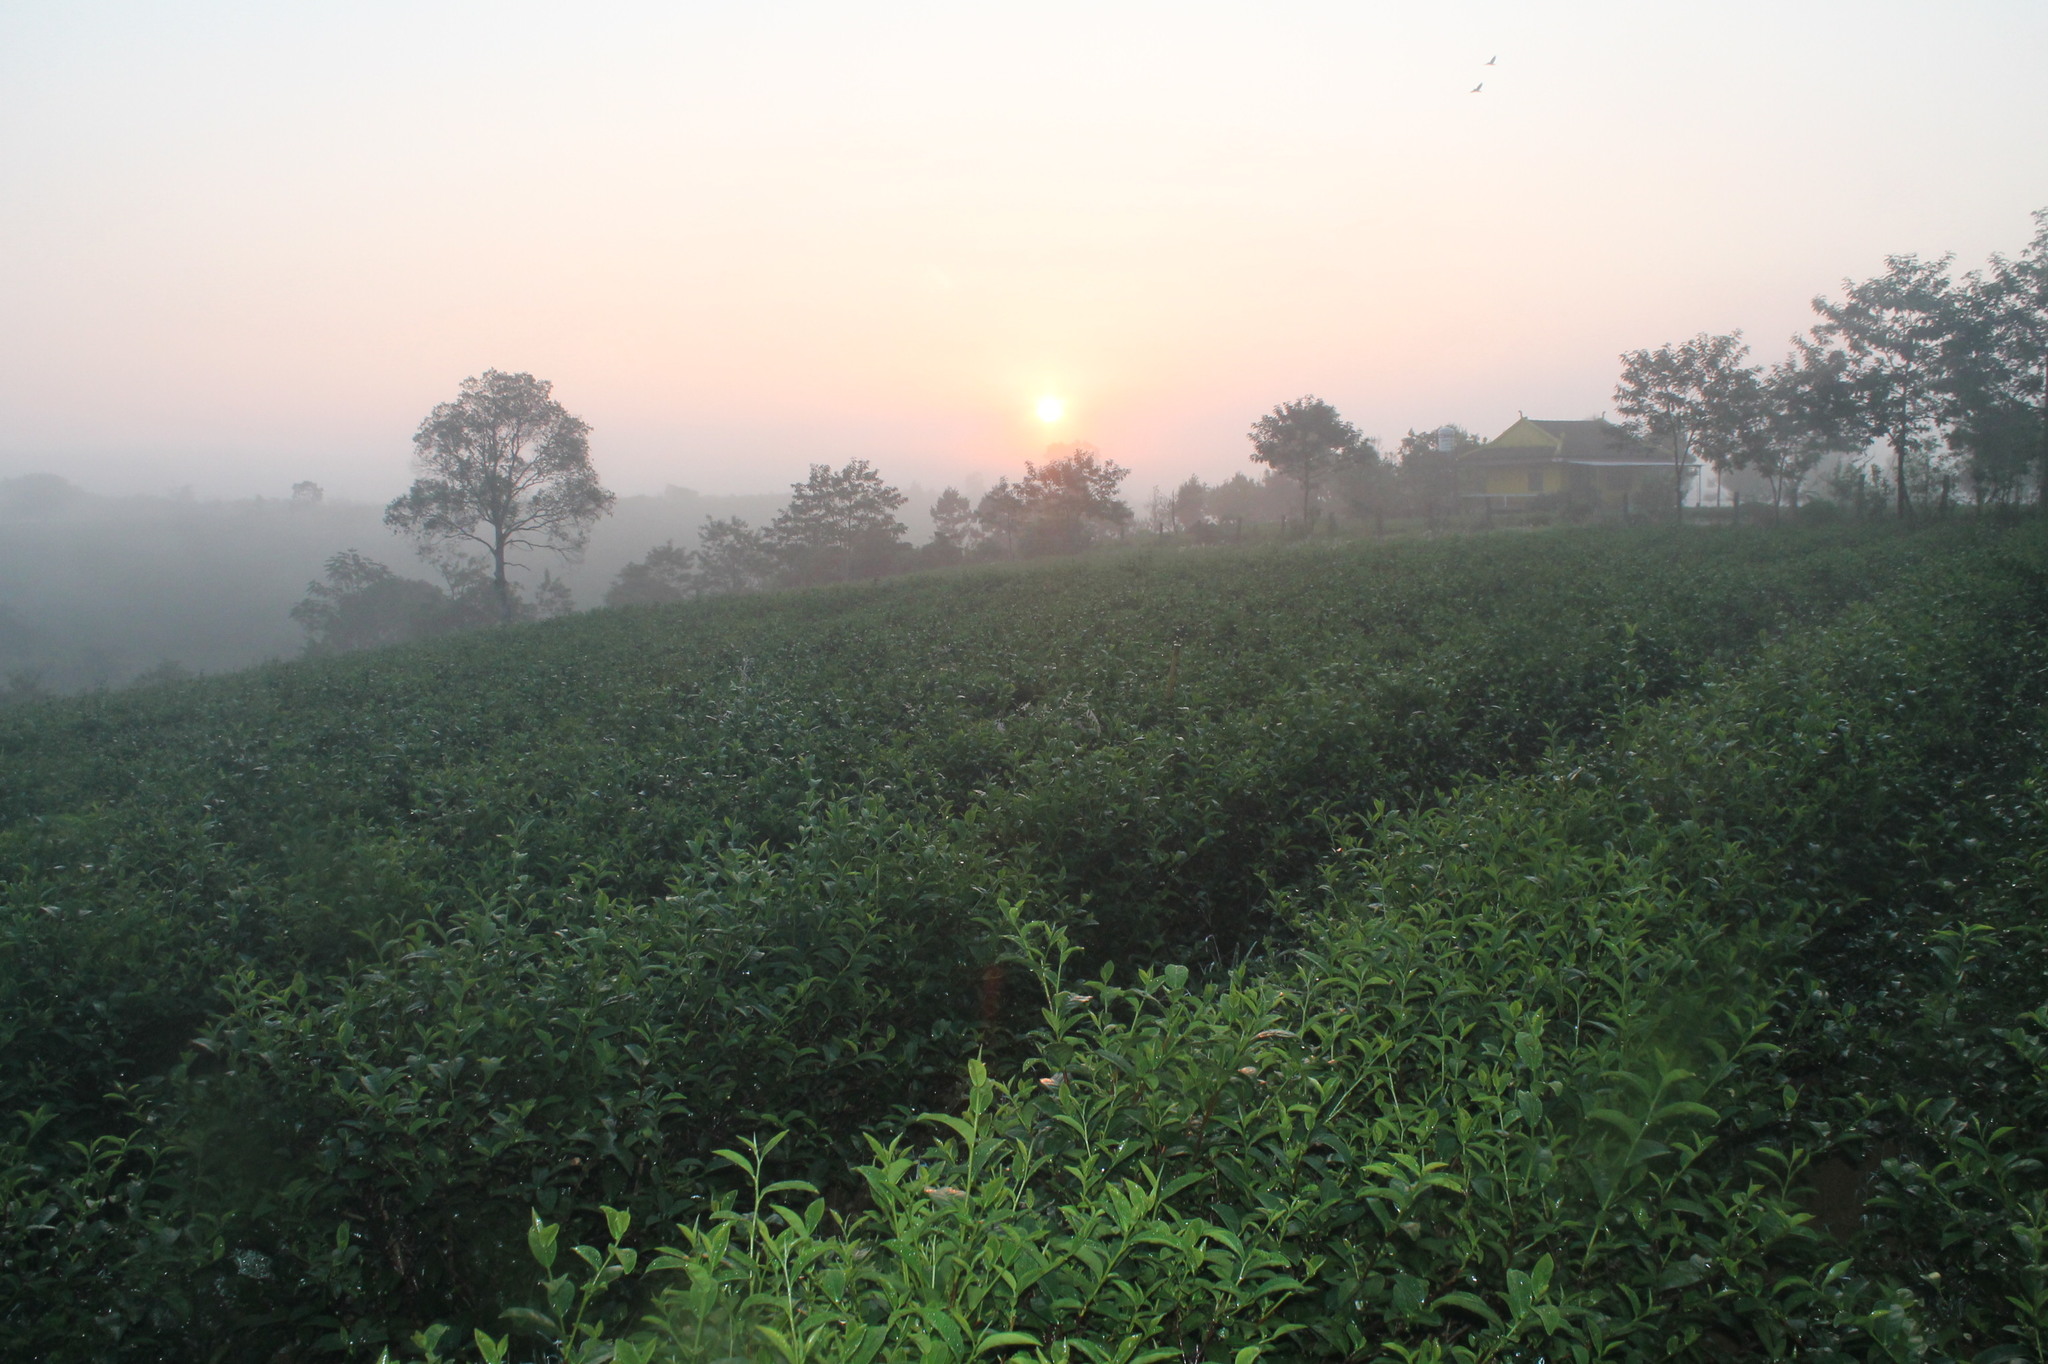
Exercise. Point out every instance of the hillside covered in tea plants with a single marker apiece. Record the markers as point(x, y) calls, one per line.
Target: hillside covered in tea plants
point(1594, 945)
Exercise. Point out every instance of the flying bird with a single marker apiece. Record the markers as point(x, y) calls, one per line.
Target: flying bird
point(1477, 88)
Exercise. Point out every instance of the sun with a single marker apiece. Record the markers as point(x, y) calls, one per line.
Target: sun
point(1051, 409)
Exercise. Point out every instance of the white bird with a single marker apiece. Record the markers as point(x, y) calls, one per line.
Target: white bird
point(1477, 88)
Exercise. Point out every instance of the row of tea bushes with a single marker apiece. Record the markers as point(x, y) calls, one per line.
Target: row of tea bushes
point(1150, 737)
point(543, 920)
point(1534, 1084)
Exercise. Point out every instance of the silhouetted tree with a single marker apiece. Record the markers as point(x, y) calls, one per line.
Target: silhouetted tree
point(732, 557)
point(1726, 411)
point(1305, 440)
point(1894, 334)
point(364, 605)
point(952, 526)
point(1795, 423)
point(1241, 498)
point(504, 467)
point(1364, 484)
point(663, 576)
point(1000, 517)
point(1996, 381)
point(1190, 504)
point(839, 524)
point(1671, 393)
point(1426, 473)
point(551, 597)
point(1071, 499)
point(2019, 293)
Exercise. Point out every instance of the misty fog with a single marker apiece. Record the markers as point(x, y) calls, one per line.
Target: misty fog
point(99, 590)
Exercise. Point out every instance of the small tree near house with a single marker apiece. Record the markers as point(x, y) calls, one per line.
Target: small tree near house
point(1306, 440)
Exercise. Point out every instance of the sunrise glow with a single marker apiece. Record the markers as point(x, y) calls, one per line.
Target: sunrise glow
point(932, 236)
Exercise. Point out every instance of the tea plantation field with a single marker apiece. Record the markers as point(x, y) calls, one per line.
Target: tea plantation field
point(1567, 946)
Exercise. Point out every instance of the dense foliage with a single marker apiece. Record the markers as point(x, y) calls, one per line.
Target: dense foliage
point(503, 469)
point(1948, 374)
point(1590, 946)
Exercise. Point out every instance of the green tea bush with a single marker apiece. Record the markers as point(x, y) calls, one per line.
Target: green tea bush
point(1518, 1094)
point(292, 819)
point(1425, 951)
point(518, 1056)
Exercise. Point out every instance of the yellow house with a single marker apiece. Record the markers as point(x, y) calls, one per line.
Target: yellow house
point(1579, 465)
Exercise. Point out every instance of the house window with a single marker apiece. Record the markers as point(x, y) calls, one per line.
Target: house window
point(1535, 480)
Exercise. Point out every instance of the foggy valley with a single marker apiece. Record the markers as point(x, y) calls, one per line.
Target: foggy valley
point(98, 590)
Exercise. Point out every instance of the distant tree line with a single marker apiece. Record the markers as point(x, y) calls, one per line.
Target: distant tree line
point(1929, 386)
point(505, 469)
point(1321, 472)
point(840, 525)
point(1922, 384)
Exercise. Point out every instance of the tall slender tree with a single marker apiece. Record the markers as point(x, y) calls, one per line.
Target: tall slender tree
point(1190, 504)
point(2022, 285)
point(504, 467)
point(1895, 334)
point(1802, 425)
point(952, 525)
point(999, 518)
point(1669, 394)
point(1997, 398)
point(1426, 470)
point(1732, 427)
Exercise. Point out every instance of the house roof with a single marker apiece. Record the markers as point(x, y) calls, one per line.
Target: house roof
point(1598, 441)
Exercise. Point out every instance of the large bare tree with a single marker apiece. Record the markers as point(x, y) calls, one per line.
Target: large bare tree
point(504, 467)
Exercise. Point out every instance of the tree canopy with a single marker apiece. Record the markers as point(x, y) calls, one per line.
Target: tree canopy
point(1948, 374)
point(1893, 333)
point(839, 524)
point(952, 525)
point(1307, 440)
point(1996, 394)
point(1000, 517)
point(732, 556)
point(503, 467)
point(664, 575)
point(362, 604)
point(1071, 498)
point(1675, 392)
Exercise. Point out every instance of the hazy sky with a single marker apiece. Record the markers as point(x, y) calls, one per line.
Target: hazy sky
point(242, 245)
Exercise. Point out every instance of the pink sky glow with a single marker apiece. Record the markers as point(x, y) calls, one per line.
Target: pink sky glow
point(249, 244)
